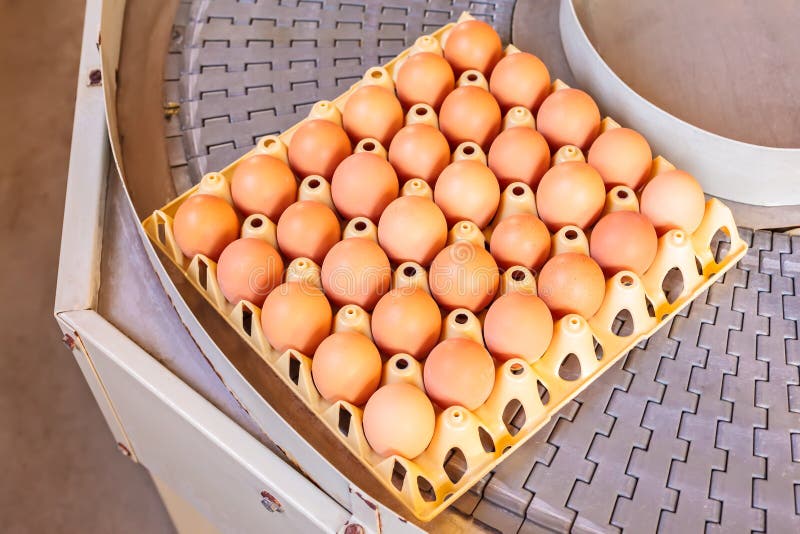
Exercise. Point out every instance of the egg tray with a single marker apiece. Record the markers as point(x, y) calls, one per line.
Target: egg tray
point(468, 444)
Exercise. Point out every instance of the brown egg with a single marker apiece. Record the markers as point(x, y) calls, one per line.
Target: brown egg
point(467, 190)
point(317, 147)
point(458, 372)
point(473, 44)
point(520, 239)
point(356, 271)
point(248, 269)
point(463, 275)
point(572, 283)
point(568, 117)
point(519, 155)
point(570, 193)
point(346, 367)
point(308, 229)
point(263, 184)
point(622, 157)
point(518, 326)
point(399, 419)
point(419, 151)
point(205, 224)
point(406, 320)
point(363, 185)
point(673, 199)
point(470, 114)
point(412, 229)
point(520, 79)
point(624, 241)
point(424, 78)
point(372, 111)
point(296, 315)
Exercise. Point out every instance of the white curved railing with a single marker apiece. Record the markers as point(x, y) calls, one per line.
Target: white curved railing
point(726, 168)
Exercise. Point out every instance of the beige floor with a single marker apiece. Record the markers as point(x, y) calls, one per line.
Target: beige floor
point(59, 468)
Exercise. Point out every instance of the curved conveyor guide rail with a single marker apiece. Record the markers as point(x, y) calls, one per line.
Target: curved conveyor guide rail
point(698, 427)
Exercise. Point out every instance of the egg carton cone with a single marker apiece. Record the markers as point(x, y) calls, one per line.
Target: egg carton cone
point(467, 444)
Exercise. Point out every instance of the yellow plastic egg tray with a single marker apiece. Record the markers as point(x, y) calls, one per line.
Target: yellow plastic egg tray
point(580, 350)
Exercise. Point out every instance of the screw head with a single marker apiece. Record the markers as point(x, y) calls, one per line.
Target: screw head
point(95, 78)
point(124, 450)
point(68, 341)
point(269, 502)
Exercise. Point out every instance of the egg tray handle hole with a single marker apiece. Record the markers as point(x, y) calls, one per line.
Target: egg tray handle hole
point(570, 368)
point(486, 440)
point(421, 111)
point(426, 490)
point(202, 274)
point(571, 235)
point(544, 393)
point(514, 417)
point(519, 191)
point(721, 244)
point(294, 370)
point(599, 352)
point(247, 320)
point(398, 475)
point(622, 325)
point(673, 284)
point(455, 464)
point(313, 184)
point(401, 364)
point(344, 420)
point(161, 232)
point(369, 146)
point(360, 226)
point(651, 311)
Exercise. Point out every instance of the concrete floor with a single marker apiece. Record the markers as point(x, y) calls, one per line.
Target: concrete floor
point(60, 468)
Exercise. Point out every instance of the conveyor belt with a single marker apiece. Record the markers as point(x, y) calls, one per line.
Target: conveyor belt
point(253, 69)
point(697, 429)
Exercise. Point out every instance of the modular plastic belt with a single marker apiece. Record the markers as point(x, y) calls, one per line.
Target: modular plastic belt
point(698, 428)
point(252, 69)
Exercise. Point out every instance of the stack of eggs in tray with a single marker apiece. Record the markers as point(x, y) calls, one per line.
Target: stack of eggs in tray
point(459, 184)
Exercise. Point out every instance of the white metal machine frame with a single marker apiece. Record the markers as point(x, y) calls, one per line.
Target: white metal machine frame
point(156, 418)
